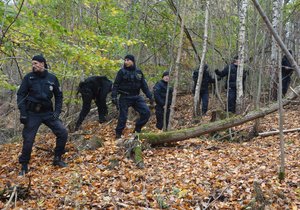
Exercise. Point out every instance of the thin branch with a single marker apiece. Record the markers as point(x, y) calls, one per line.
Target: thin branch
point(15, 19)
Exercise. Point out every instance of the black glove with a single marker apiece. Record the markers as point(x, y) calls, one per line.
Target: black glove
point(115, 101)
point(23, 119)
point(55, 116)
point(217, 71)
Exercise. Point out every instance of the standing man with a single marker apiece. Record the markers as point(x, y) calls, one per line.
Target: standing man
point(160, 94)
point(128, 83)
point(231, 72)
point(287, 71)
point(35, 105)
point(93, 88)
point(204, 94)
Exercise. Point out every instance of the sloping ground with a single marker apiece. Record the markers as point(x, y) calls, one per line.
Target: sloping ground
point(189, 175)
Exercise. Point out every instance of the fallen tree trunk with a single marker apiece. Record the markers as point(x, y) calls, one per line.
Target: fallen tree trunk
point(270, 133)
point(180, 135)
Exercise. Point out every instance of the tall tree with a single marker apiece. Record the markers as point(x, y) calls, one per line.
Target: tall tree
point(242, 40)
point(197, 111)
point(176, 69)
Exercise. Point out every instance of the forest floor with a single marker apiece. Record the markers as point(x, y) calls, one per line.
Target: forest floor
point(199, 173)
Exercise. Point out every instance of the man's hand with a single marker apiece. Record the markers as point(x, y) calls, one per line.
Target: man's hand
point(23, 119)
point(217, 71)
point(151, 100)
point(115, 101)
point(55, 116)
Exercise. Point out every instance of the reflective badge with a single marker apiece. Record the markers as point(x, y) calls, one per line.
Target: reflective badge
point(59, 89)
point(51, 88)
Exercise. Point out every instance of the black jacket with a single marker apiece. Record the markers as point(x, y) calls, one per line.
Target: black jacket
point(39, 88)
point(96, 86)
point(129, 81)
point(286, 68)
point(206, 79)
point(232, 69)
point(160, 93)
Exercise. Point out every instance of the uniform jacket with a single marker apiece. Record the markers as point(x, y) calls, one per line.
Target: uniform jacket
point(160, 93)
point(206, 79)
point(39, 88)
point(129, 81)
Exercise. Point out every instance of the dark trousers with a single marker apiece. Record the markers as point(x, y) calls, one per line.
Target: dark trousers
point(286, 80)
point(231, 100)
point(31, 128)
point(159, 112)
point(139, 105)
point(87, 99)
point(204, 99)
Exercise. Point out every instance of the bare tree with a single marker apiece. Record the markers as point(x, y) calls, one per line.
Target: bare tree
point(197, 111)
point(240, 70)
point(177, 64)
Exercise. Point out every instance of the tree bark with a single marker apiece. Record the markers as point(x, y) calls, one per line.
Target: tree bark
point(240, 71)
point(197, 111)
point(180, 135)
point(177, 63)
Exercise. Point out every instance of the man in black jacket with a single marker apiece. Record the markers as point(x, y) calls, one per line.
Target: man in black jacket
point(287, 71)
point(93, 88)
point(160, 94)
point(231, 72)
point(35, 105)
point(128, 83)
point(204, 93)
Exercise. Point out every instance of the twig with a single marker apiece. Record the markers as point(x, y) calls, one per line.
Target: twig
point(217, 197)
point(11, 197)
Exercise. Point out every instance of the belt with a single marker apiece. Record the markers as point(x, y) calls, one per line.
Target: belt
point(39, 107)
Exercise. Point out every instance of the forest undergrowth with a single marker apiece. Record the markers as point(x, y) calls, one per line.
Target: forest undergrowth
point(209, 172)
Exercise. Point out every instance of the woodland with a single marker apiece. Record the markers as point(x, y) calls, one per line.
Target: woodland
point(246, 160)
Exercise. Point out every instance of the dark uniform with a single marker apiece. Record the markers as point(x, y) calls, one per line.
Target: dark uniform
point(94, 88)
point(287, 71)
point(204, 93)
point(160, 94)
point(231, 72)
point(128, 83)
point(35, 105)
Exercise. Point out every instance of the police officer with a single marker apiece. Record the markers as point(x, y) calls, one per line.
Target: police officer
point(230, 71)
point(35, 105)
point(128, 83)
point(94, 88)
point(204, 93)
point(287, 71)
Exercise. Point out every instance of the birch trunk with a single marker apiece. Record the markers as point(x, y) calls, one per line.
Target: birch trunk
point(197, 111)
point(177, 63)
point(274, 53)
point(281, 174)
point(242, 40)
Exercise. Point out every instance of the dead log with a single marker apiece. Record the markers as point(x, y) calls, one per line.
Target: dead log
point(180, 135)
point(270, 133)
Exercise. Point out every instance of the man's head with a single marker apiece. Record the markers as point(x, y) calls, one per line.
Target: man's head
point(165, 76)
point(38, 63)
point(236, 60)
point(129, 61)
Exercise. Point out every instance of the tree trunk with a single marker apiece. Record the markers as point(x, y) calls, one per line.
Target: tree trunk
point(180, 135)
point(197, 111)
point(176, 71)
point(240, 71)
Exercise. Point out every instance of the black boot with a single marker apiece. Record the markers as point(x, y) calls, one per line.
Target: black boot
point(57, 161)
point(24, 169)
